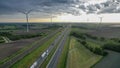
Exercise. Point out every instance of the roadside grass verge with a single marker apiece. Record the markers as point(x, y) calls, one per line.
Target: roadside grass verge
point(79, 56)
point(63, 58)
point(27, 61)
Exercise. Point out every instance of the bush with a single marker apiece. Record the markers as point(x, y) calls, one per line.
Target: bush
point(112, 46)
point(116, 40)
point(92, 37)
point(97, 49)
point(18, 37)
point(83, 42)
point(78, 35)
point(2, 41)
point(94, 48)
point(5, 34)
point(102, 39)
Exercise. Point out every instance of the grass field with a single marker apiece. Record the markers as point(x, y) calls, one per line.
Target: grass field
point(63, 58)
point(79, 56)
point(27, 61)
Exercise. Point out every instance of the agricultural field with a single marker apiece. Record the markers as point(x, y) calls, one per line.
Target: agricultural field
point(19, 40)
point(30, 58)
point(86, 45)
point(104, 41)
point(104, 30)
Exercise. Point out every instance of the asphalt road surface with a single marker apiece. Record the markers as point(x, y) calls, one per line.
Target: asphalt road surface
point(54, 60)
point(112, 60)
point(41, 59)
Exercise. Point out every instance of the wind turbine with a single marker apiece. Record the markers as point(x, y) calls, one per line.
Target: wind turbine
point(101, 18)
point(26, 13)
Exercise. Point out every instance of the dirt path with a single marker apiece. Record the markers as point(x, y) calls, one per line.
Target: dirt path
point(112, 60)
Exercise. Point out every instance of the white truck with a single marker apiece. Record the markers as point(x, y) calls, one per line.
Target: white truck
point(47, 52)
point(34, 65)
point(43, 55)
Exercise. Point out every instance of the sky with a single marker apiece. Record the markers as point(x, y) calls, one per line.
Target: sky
point(60, 10)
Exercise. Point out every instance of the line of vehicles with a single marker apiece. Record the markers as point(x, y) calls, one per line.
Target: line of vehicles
point(44, 55)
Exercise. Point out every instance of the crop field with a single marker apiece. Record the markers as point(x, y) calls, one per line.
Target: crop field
point(105, 30)
point(87, 46)
point(24, 40)
point(104, 41)
point(8, 49)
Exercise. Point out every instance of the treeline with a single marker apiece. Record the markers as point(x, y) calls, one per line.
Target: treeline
point(85, 35)
point(97, 49)
point(14, 37)
point(5, 33)
point(78, 35)
point(112, 46)
point(18, 37)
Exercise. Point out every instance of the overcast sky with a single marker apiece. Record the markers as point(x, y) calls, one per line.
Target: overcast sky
point(60, 10)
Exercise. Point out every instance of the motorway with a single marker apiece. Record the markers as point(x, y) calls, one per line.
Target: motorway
point(62, 37)
point(55, 58)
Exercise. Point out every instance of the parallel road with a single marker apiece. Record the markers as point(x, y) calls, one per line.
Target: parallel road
point(55, 58)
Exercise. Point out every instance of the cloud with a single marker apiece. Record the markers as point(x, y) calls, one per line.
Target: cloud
point(110, 7)
point(57, 6)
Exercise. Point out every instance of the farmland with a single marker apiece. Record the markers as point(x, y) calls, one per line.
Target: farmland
point(106, 39)
point(29, 59)
point(20, 40)
point(84, 44)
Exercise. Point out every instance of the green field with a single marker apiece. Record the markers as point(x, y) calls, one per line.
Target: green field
point(79, 56)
